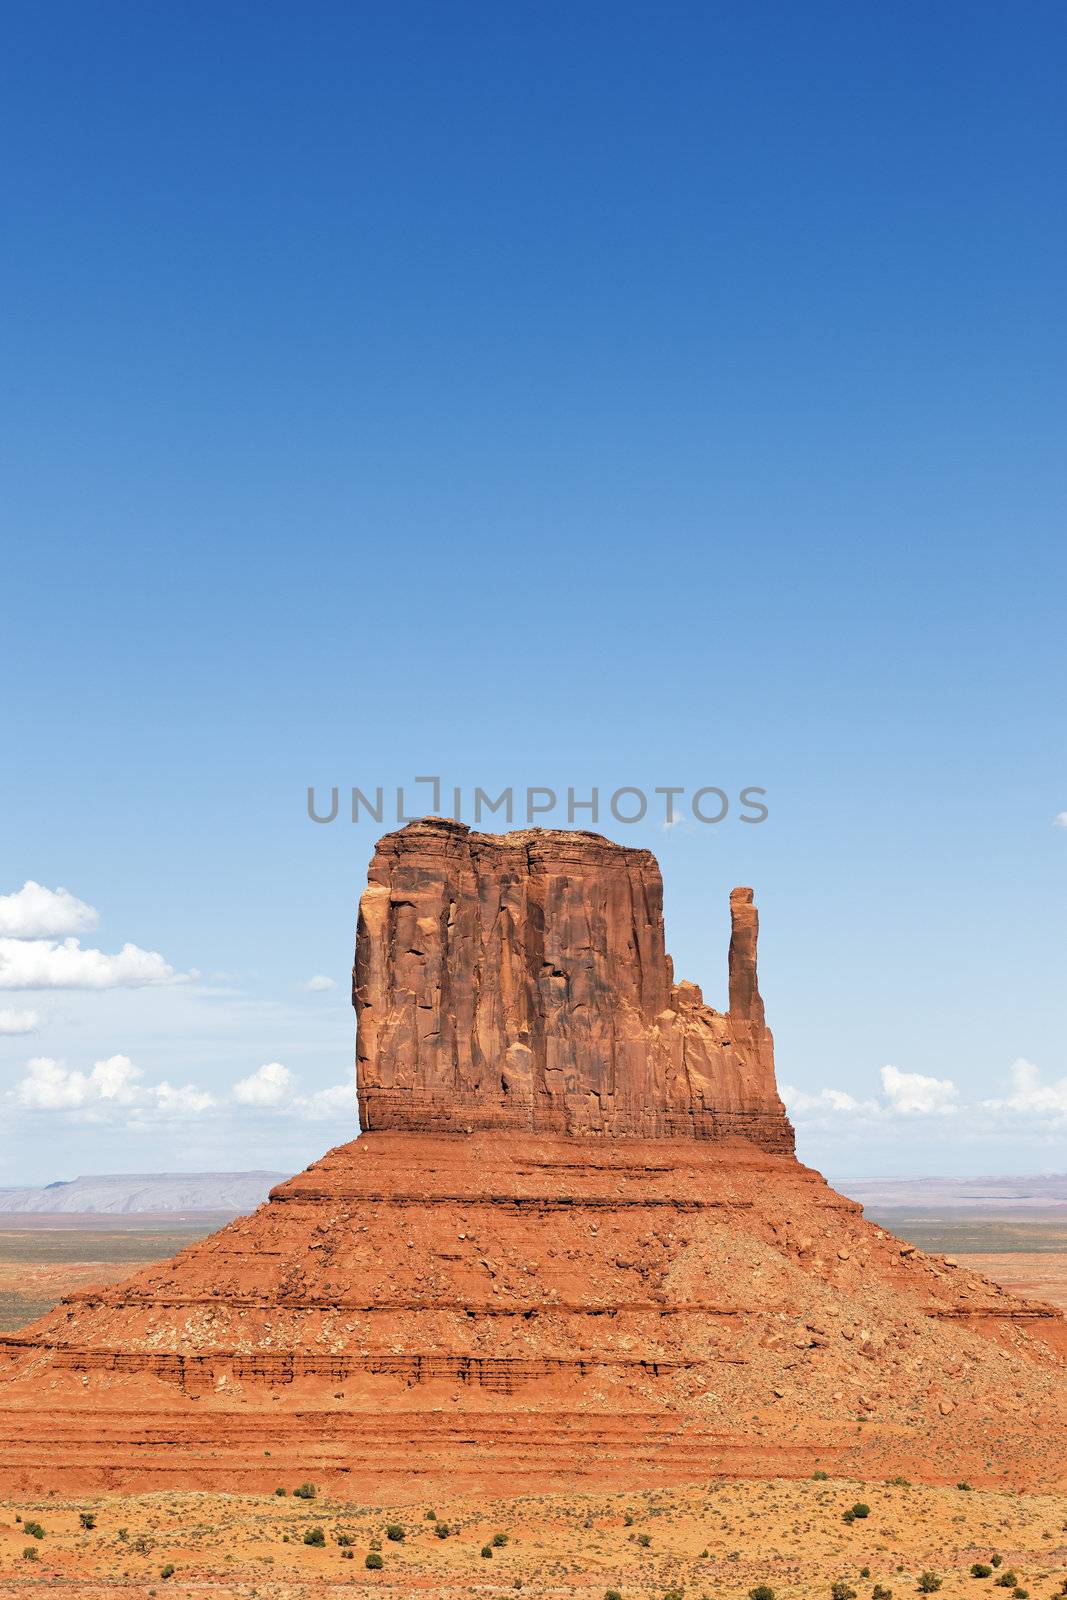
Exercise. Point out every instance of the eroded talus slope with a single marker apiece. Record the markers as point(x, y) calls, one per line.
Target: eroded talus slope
point(532, 1311)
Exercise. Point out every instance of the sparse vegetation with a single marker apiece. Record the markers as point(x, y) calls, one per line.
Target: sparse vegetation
point(316, 1536)
point(394, 1532)
point(928, 1583)
point(842, 1590)
point(87, 1520)
point(374, 1561)
point(762, 1591)
point(981, 1569)
point(34, 1529)
point(305, 1491)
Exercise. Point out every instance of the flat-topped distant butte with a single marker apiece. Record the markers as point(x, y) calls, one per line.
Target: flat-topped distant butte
point(573, 1248)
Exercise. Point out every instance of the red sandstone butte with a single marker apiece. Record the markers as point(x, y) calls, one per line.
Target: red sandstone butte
point(620, 1276)
point(520, 981)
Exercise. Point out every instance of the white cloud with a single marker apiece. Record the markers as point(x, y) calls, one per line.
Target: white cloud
point(15, 1022)
point(111, 1086)
point(800, 1103)
point(44, 964)
point(914, 1094)
point(268, 1086)
point(1030, 1096)
point(326, 1104)
point(1060, 821)
point(34, 912)
point(186, 1100)
point(319, 984)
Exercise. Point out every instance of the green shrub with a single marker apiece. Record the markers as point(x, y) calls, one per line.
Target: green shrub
point(87, 1519)
point(281, 1491)
point(628, 1520)
point(820, 1476)
point(314, 1536)
point(344, 1540)
point(374, 1561)
point(901, 1483)
point(431, 1516)
point(34, 1529)
point(1020, 1594)
point(305, 1491)
point(612, 1594)
point(848, 1516)
point(442, 1530)
point(981, 1569)
point(860, 1510)
point(487, 1552)
point(498, 1541)
point(394, 1532)
point(878, 1593)
point(167, 1571)
point(995, 1561)
point(762, 1591)
point(644, 1540)
point(928, 1583)
point(30, 1553)
point(963, 1484)
point(842, 1591)
point(1007, 1580)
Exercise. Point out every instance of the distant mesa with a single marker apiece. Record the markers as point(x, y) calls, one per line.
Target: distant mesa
point(572, 1249)
point(143, 1193)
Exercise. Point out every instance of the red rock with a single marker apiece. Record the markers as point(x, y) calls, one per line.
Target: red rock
point(521, 981)
point(555, 1300)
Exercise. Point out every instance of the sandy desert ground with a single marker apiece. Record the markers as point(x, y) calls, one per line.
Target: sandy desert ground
point(721, 1539)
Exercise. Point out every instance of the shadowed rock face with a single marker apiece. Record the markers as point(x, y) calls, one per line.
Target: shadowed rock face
point(521, 980)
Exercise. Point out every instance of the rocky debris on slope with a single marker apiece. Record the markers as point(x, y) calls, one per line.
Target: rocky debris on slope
point(521, 981)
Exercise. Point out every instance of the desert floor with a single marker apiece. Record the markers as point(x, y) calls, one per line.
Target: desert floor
point(718, 1539)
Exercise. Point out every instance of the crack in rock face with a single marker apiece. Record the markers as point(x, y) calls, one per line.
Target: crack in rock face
point(521, 981)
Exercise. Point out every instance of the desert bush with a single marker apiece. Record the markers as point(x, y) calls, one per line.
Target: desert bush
point(820, 1476)
point(487, 1552)
point(305, 1491)
point(842, 1590)
point(612, 1594)
point(995, 1561)
point(314, 1536)
point(878, 1593)
point(860, 1510)
point(34, 1529)
point(981, 1569)
point(928, 1583)
point(167, 1571)
point(394, 1532)
point(498, 1541)
point(344, 1539)
point(1007, 1580)
point(30, 1553)
point(442, 1530)
point(901, 1483)
point(1020, 1594)
point(87, 1519)
point(644, 1540)
point(431, 1516)
point(762, 1591)
point(280, 1490)
point(374, 1561)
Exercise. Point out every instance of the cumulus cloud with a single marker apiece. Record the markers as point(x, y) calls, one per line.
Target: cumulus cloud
point(1030, 1095)
point(1060, 821)
point(16, 1022)
point(270, 1085)
point(327, 1104)
point(46, 964)
point(34, 912)
point(801, 1103)
point(319, 984)
point(112, 1086)
point(914, 1094)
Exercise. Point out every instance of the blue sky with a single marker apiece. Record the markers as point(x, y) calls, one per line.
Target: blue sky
point(536, 395)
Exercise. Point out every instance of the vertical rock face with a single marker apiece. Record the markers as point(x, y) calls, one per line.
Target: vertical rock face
point(521, 980)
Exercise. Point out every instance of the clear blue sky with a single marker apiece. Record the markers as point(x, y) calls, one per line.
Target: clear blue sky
point(538, 394)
